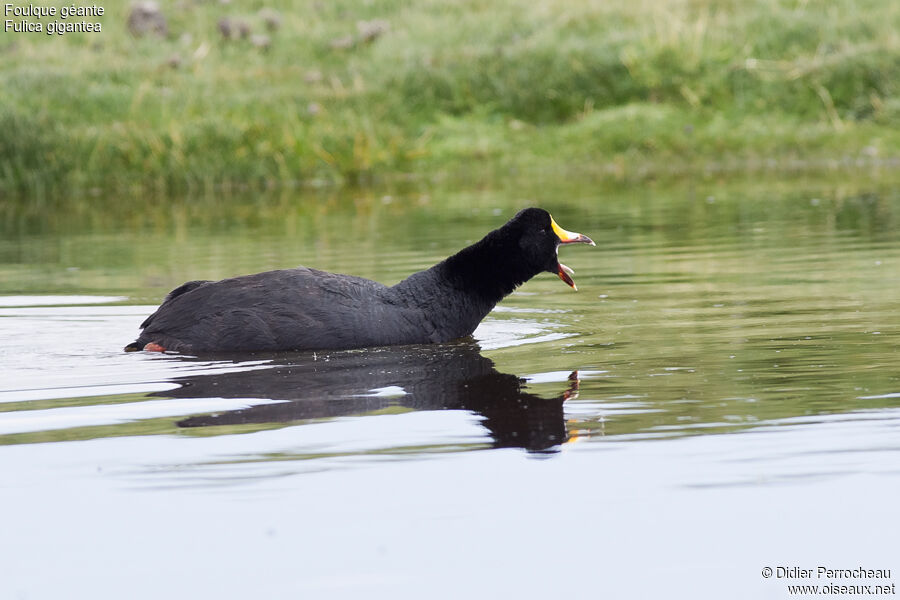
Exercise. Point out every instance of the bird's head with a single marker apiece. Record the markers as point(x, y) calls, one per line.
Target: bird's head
point(539, 239)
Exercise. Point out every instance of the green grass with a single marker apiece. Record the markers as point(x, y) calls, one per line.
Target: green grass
point(632, 88)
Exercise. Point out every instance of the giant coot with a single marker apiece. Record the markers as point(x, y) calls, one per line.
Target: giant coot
point(307, 309)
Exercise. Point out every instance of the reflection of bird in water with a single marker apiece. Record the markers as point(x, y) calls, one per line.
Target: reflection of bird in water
point(442, 377)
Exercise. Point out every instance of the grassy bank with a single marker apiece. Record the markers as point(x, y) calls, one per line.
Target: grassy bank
point(348, 91)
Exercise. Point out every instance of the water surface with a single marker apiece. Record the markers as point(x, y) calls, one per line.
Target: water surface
point(720, 395)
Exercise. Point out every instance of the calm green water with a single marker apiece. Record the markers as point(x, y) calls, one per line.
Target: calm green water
point(720, 395)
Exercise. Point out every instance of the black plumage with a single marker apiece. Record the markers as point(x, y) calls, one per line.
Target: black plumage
point(307, 309)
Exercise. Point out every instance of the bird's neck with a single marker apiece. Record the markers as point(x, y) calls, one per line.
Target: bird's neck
point(487, 269)
point(462, 289)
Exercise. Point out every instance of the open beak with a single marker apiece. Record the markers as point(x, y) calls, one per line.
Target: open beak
point(568, 237)
point(565, 273)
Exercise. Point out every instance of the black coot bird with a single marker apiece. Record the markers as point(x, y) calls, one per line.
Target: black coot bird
point(307, 309)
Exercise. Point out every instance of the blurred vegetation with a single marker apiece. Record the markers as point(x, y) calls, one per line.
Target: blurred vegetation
point(311, 92)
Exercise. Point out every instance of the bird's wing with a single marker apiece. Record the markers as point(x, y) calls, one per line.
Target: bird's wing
point(288, 309)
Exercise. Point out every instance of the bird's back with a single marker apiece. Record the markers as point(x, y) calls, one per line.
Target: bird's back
point(291, 309)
